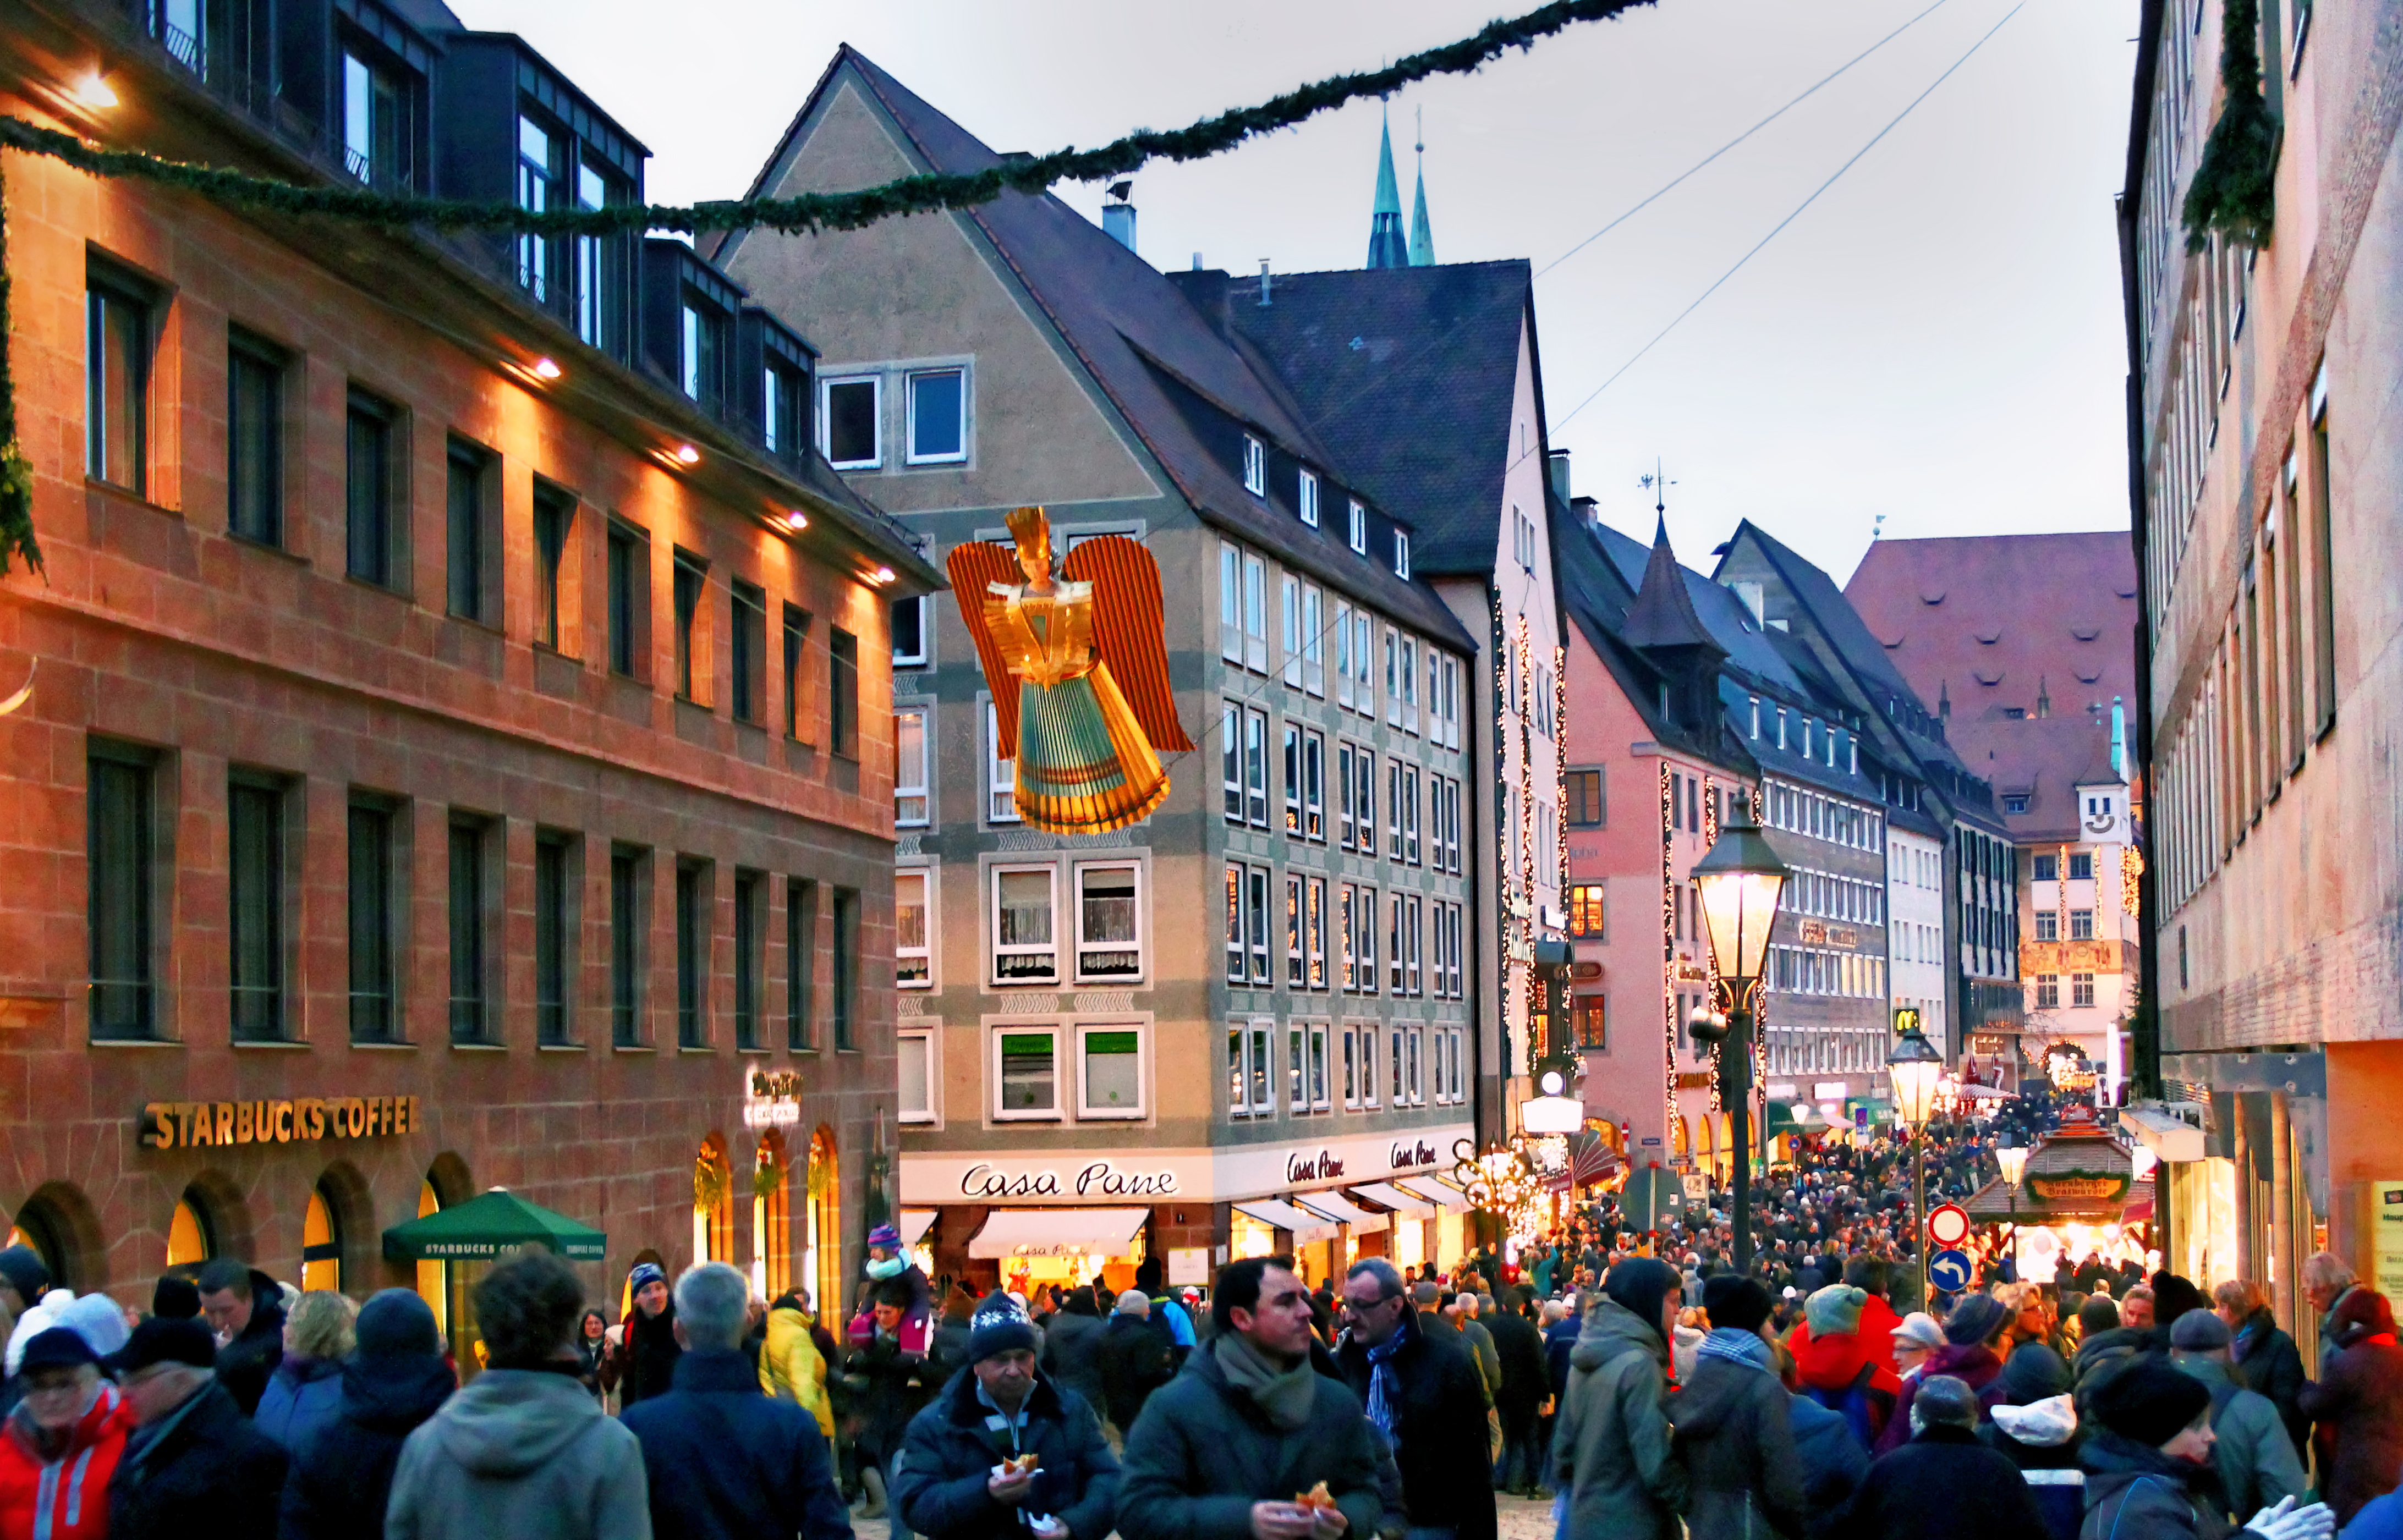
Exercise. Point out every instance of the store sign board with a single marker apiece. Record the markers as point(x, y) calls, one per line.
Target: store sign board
point(1201, 1176)
point(771, 1099)
point(2073, 1187)
point(184, 1124)
point(2386, 1234)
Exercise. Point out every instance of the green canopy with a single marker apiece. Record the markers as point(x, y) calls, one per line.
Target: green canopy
point(488, 1225)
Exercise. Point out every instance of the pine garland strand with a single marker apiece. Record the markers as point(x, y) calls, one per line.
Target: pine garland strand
point(2234, 189)
point(807, 212)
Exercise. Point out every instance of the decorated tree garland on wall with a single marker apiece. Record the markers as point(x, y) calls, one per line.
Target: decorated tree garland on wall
point(2233, 193)
point(805, 212)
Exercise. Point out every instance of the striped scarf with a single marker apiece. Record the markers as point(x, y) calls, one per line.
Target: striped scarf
point(1738, 1347)
point(1385, 1385)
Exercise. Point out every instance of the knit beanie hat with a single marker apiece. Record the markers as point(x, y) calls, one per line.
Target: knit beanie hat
point(1639, 1284)
point(999, 1325)
point(2200, 1331)
point(644, 1275)
point(2150, 1402)
point(885, 1235)
point(1835, 1310)
point(1975, 1319)
point(2097, 1315)
point(175, 1298)
point(98, 1320)
point(1736, 1304)
point(394, 1322)
point(21, 1266)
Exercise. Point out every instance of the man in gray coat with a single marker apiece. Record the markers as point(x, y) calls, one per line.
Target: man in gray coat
point(2255, 1458)
point(525, 1449)
point(1611, 1440)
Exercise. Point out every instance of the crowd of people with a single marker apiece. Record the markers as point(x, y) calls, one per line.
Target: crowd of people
point(1637, 1381)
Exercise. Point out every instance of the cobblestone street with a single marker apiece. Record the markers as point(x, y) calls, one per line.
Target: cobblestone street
point(1521, 1520)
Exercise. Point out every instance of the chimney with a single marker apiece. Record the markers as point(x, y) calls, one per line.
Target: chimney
point(1206, 289)
point(1118, 213)
point(1587, 511)
point(1557, 463)
point(1264, 283)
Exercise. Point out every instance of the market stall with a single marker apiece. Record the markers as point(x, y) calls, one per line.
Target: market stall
point(2079, 1195)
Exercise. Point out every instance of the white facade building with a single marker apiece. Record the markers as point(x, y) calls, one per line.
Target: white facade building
point(1914, 932)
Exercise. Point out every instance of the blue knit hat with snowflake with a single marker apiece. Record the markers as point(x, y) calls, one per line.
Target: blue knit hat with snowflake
point(999, 1325)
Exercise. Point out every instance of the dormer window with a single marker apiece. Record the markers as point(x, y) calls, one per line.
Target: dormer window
point(701, 369)
point(1306, 499)
point(1256, 466)
point(1401, 554)
point(1359, 527)
point(379, 120)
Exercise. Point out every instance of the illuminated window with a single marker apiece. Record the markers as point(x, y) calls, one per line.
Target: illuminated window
point(1586, 911)
point(321, 1244)
point(1589, 1016)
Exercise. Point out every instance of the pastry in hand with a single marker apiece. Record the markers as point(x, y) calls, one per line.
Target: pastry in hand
point(1315, 1498)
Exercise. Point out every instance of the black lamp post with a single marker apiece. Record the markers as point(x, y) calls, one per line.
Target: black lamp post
point(1740, 880)
point(1913, 1068)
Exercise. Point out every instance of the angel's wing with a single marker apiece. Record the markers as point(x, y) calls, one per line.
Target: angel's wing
point(1128, 631)
point(972, 566)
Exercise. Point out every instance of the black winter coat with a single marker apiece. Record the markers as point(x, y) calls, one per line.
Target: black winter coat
point(246, 1364)
point(1132, 1361)
point(1203, 1452)
point(341, 1479)
point(1735, 1431)
point(1943, 1485)
point(939, 1489)
point(648, 1352)
point(2134, 1491)
point(1439, 1433)
point(2270, 1364)
point(1071, 1340)
point(725, 1462)
point(199, 1472)
point(1525, 1380)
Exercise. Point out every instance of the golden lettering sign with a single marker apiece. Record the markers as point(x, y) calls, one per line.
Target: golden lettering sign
point(184, 1125)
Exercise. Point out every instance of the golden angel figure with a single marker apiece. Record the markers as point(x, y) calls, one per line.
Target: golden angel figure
point(1079, 668)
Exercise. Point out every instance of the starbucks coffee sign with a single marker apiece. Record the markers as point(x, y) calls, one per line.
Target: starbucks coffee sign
point(186, 1125)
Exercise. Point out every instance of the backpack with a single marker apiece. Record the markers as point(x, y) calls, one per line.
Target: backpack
point(1864, 1410)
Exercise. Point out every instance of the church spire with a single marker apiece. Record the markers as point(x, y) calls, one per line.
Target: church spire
point(1421, 234)
point(1386, 248)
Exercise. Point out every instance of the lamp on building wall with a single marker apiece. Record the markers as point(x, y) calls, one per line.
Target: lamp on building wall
point(1913, 1068)
point(1741, 881)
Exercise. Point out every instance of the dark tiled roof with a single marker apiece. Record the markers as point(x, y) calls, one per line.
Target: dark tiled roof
point(1187, 391)
point(1662, 614)
point(1408, 374)
point(2060, 610)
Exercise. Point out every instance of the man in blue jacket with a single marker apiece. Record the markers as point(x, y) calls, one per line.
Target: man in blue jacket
point(725, 1462)
point(961, 1473)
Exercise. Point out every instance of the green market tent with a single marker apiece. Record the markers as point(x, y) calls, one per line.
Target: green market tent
point(486, 1226)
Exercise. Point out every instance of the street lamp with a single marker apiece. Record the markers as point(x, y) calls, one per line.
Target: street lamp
point(2012, 1158)
point(1913, 1068)
point(1740, 880)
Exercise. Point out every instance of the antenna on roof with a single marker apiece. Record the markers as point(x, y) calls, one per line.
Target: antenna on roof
point(1879, 528)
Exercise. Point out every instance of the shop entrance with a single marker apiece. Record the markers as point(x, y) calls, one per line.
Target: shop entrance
point(772, 1218)
point(820, 1231)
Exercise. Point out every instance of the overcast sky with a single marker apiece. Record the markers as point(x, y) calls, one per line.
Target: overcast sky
point(1937, 340)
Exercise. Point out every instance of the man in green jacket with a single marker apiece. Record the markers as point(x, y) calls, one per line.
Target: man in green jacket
point(1611, 1440)
point(2255, 1458)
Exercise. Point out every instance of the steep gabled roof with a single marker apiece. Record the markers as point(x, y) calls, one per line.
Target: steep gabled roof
point(1662, 614)
point(1409, 375)
point(1171, 376)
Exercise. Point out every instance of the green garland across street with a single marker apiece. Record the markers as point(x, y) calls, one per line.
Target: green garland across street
point(922, 194)
point(2234, 189)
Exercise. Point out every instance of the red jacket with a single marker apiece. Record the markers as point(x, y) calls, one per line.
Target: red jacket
point(1834, 1362)
point(1878, 1322)
point(74, 1486)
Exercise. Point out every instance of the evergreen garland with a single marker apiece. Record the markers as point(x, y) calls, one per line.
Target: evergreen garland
point(807, 212)
point(2233, 193)
point(15, 472)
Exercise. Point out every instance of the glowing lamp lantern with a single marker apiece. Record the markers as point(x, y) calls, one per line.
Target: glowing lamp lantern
point(1741, 881)
point(1554, 1112)
point(545, 368)
point(2013, 1160)
point(1915, 1068)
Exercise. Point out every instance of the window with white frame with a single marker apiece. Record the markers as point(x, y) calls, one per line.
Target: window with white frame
point(1109, 1070)
point(1231, 604)
point(1413, 943)
point(911, 755)
point(1256, 923)
point(1356, 528)
point(1025, 949)
point(938, 416)
point(1256, 466)
point(1319, 1089)
point(1401, 555)
point(1306, 498)
point(1000, 773)
point(1347, 1067)
point(851, 421)
point(1417, 1082)
point(913, 633)
point(1364, 665)
point(1251, 1070)
point(1392, 676)
point(1026, 1072)
point(1313, 785)
point(916, 1051)
point(1289, 611)
point(1369, 1063)
point(1396, 907)
point(1409, 807)
point(1295, 969)
point(1314, 647)
point(1256, 614)
point(1109, 924)
point(913, 930)
point(1293, 778)
point(1314, 929)
point(1256, 768)
point(1396, 1081)
point(1410, 682)
point(1297, 1067)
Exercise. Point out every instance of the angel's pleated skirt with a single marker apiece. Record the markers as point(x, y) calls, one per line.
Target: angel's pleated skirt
point(1084, 765)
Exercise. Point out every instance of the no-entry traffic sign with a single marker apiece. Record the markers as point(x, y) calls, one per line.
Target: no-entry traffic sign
point(1948, 1223)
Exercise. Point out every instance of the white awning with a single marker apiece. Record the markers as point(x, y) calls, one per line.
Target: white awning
point(1332, 1205)
point(1057, 1232)
point(1279, 1214)
point(1443, 1195)
point(1392, 1198)
point(914, 1225)
point(2170, 1137)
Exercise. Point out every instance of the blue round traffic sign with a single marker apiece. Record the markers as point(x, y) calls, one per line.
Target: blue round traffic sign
point(1951, 1270)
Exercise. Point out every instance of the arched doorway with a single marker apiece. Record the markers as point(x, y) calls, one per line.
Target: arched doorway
point(320, 1244)
point(1681, 1137)
point(57, 1223)
point(1707, 1158)
point(822, 1229)
point(443, 1285)
point(189, 1242)
point(772, 1216)
point(713, 1202)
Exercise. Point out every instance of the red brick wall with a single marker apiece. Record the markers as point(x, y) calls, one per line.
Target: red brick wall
point(156, 628)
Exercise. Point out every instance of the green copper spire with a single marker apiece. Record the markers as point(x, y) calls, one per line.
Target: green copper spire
point(1421, 234)
point(1386, 248)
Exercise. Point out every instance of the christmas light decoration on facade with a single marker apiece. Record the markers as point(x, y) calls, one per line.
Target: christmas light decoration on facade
point(1525, 957)
point(2131, 866)
point(1668, 947)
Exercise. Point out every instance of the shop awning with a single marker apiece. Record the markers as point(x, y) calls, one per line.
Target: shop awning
point(1392, 1198)
point(1332, 1205)
point(1057, 1232)
point(2170, 1137)
point(486, 1226)
point(1278, 1214)
point(915, 1223)
point(1443, 1195)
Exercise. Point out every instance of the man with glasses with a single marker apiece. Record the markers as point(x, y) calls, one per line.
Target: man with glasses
point(1244, 1440)
point(194, 1466)
point(1427, 1395)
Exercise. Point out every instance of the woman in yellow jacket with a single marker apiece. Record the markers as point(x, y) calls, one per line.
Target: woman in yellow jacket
point(791, 1369)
